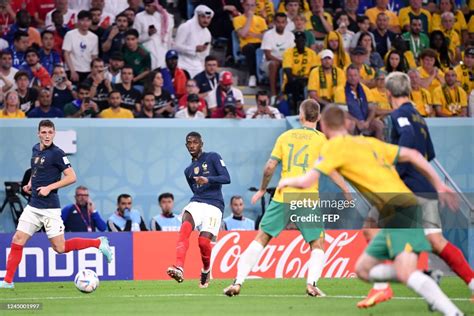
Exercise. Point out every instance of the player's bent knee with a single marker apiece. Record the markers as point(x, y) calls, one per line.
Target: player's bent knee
point(437, 241)
point(361, 269)
point(263, 238)
point(59, 248)
point(20, 238)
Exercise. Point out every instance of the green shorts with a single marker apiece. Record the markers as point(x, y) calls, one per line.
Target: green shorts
point(278, 215)
point(389, 243)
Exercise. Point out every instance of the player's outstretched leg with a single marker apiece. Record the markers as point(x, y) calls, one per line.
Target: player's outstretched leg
point(380, 292)
point(205, 247)
point(315, 269)
point(101, 243)
point(246, 262)
point(177, 271)
point(14, 258)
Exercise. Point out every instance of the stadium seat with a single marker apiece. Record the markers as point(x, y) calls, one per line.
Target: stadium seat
point(261, 76)
point(239, 58)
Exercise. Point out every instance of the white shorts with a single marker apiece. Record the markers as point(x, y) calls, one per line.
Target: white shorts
point(32, 219)
point(205, 215)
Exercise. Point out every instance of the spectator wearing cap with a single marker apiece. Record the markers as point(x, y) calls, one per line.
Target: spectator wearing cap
point(193, 40)
point(147, 105)
point(191, 111)
point(131, 97)
point(324, 79)
point(115, 111)
point(37, 74)
point(192, 88)
point(114, 71)
point(176, 76)
point(465, 70)
point(23, 24)
point(275, 42)
point(155, 26)
point(45, 110)
point(49, 57)
point(136, 56)
point(383, 36)
point(208, 79)
point(450, 100)
point(18, 50)
point(232, 109)
point(367, 74)
point(80, 47)
point(28, 95)
point(359, 101)
point(263, 110)
point(250, 28)
point(379, 95)
point(217, 97)
point(297, 64)
point(69, 16)
point(114, 37)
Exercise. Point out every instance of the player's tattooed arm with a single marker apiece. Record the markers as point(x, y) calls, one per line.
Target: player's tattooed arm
point(268, 171)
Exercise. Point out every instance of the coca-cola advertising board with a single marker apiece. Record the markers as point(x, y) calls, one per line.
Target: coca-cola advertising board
point(285, 257)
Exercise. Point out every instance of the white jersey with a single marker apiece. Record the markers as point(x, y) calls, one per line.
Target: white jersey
point(183, 114)
point(82, 47)
point(277, 43)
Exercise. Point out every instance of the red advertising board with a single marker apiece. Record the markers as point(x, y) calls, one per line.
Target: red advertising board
point(286, 256)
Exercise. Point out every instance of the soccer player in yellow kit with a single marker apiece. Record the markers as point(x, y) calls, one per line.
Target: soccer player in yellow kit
point(369, 165)
point(296, 149)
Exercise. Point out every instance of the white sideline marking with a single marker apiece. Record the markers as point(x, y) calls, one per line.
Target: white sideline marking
point(402, 298)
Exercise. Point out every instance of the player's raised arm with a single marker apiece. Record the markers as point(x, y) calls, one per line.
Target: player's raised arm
point(447, 196)
point(268, 172)
point(222, 176)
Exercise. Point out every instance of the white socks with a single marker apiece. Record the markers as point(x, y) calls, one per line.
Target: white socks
point(430, 291)
point(247, 260)
point(383, 272)
point(315, 266)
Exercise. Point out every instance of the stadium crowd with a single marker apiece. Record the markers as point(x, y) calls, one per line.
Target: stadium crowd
point(147, 59)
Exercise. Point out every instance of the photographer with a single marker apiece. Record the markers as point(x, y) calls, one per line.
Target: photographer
point(263, 110)
point(63, 92)
point(82, 106)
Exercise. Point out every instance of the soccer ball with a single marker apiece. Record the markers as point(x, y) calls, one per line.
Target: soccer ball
point(86, 281)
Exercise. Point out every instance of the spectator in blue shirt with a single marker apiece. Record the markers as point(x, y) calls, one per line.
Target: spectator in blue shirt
point(237, 221)
point(48, 56)
point(45, 110)
point(166, 220)
point(82, 216)
point(19, 47)
point(125, 218)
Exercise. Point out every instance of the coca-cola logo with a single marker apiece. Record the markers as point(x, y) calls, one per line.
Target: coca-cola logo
point(287, 256)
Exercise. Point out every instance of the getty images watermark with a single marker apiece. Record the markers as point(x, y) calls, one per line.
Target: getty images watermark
point(316, 210)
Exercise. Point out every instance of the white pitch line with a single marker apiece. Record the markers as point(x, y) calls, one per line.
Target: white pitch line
point(460, 299)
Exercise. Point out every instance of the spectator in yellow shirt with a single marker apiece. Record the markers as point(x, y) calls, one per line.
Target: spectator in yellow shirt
point(367, 74)
point(382, 6)
point(266, 10)
point(11, 108)
point(250, 28)
point(460, 24)
point(450, 99)
point(395, 62)
point(406, 14)
point(324, 79)
point(431, 76)
point(320, 20)
point(114, 110)
point(333, 41)
point(447, 27)
point(379, 95)
point(297, 64)
point(465, 70)
point(420, 97)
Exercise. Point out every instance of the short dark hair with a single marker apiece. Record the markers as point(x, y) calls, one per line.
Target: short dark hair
point(235, 197)
point(46, 123)
point(132, 32)
point(121, 15)
point(428, 52)
point(20, 74)
point(362, 18)
point(96, 60)
point(18, 35)
point(352, 67)
point(94, 9)
point(46, 32)
point(210, 58)
point(147, 92)
point(128, 67)
point(6, 52)
point(260, 93)
point(84, 14)
point(32, 50)
point(114, 91)
point(165, 195)
point(280, 15)
point(123, 196)
point(83, 86)
point(193, 134)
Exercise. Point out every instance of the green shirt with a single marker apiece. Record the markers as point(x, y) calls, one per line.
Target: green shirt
point(418, 45)
point(139, 60)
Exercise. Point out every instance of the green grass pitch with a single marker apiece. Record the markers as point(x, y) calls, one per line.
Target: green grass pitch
point(258, 297)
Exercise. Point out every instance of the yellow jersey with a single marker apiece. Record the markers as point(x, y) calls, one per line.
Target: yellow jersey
point(300, 64)
point(325, 83)
point(451, 100)
point(470, 26)
point(435, 83)
point(19, 114)
point(422, 101)
point(465, 77)
point(340, 94)
point(304, 8)
point(120, 114)
point(407, 13)
point(258, 26)
point(342, 62)
point(392, 16)
point(297, 150)
point(367, 163)
point(380, 97)
point(459, 25)
point(265, 9)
